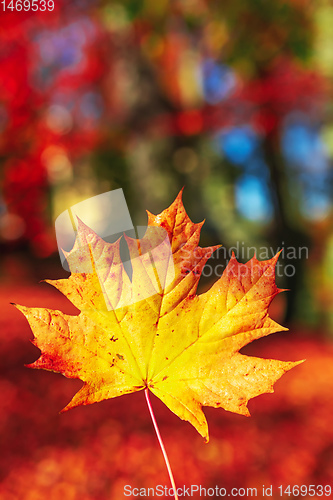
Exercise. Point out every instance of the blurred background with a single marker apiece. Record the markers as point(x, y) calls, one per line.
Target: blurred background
point(233, 101)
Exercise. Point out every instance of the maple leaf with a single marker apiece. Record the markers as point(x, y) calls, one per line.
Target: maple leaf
point(153, 331)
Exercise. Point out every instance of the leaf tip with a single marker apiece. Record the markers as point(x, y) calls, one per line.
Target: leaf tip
point(47, 281)
point(280, 290)
point(246, 411)
point(23, 309)
point(31, 365)
point(203, 431)
point(180, 194)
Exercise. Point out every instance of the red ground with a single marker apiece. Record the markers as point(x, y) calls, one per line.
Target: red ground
point(92, 452)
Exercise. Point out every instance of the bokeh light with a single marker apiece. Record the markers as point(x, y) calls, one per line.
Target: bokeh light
point(252, 198)
point(238, 144)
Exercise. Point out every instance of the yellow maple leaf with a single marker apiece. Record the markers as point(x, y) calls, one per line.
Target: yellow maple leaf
point(153, 331)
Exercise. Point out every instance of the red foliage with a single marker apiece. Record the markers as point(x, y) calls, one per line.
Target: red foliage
point(45, 59)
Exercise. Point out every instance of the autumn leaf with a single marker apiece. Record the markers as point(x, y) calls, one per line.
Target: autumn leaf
point(153, 331)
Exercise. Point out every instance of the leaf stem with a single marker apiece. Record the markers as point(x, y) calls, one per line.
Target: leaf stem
point(167, 463)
